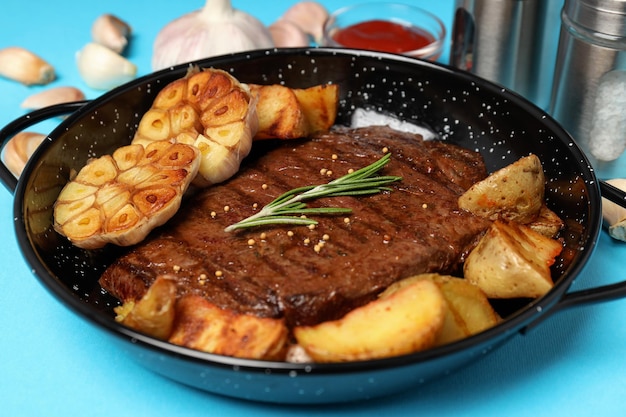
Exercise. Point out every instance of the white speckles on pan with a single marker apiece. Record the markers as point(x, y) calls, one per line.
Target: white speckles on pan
point(455, 106)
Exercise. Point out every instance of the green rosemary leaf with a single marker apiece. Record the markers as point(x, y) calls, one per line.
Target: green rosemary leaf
point(362, 182)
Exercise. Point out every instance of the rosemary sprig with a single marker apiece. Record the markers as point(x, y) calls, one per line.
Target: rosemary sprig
point(290, 207)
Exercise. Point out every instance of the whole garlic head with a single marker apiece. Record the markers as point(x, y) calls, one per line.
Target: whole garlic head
point(214, 30)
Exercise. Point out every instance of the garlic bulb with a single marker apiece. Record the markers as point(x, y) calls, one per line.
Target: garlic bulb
point(213, 30)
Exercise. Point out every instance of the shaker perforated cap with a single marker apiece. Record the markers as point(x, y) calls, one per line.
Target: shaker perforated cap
point(607, 17)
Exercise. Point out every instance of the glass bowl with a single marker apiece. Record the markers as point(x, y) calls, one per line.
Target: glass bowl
point(386, 27)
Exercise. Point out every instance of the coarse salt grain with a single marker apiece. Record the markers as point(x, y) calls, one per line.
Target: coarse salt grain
point(607, 140)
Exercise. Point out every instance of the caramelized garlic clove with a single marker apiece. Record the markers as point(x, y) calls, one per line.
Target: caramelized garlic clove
point(51, 97)
point(103, 69)
point(112, 32)
point(24, 66)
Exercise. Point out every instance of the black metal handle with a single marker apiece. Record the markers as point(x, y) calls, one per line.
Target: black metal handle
point(23, 122)
point(602, 293)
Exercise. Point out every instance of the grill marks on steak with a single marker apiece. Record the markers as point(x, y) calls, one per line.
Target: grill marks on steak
point(415, 228)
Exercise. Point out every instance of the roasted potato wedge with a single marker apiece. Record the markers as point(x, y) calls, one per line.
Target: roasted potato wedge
point(515, 192)
point(548, 223)
point(469, 311)
point(154, 313)
point(286, 113)
point(280, 115)
point(512, 261)
point(407, 320)
point(319, 106)
point(204, 326)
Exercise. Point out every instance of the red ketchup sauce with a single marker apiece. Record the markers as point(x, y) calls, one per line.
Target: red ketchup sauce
point(382, 35)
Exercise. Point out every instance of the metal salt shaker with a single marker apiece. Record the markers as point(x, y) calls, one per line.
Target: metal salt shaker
point(510, 42)
point(589, 93)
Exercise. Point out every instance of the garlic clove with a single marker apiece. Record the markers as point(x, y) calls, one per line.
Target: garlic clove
point(24, 66)
point(52, 96)
point(287, 34)
point(309, 16)
point(19, 149)
point(613, 214)
point(216, 29)
point(103, 69)
point(111, 31)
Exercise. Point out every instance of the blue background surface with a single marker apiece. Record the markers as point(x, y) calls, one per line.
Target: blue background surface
point(55, 364)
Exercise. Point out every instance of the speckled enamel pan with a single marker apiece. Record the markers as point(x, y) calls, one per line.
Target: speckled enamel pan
point(457, 106)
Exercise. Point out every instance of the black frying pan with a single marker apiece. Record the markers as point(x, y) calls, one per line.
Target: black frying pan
point(457, 106)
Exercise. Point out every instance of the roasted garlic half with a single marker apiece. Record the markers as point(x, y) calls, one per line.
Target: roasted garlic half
point(210, 110)
point(120, 198)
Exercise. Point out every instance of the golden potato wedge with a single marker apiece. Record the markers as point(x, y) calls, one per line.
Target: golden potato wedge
point(319, 106)
point(512, 261)
point(204, 326)
point(154, 313)
point(407, 320)
point(548, 223)
point(279, 113)
point(286, 113)
point(515, 192)
point(469, 311)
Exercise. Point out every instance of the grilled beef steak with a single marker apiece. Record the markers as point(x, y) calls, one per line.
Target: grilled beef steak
point(277, 271)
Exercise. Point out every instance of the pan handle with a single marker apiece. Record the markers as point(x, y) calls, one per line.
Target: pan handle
point(25, 121)
point(592, 295)
point(611, 192)
point(602, 293)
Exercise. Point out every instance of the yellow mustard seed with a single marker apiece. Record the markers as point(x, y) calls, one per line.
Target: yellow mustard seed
point(346, 220)
point(326, 237)
point(263, 235)
point(334, 157)
point(350, 171)
point(329, 173)
point(251, 242)
point(385, 149)
point(176, 268)
point(226, 208)
point(424, 206)
point(307, 241)
point(323, 171)
point(213, 214)
point(311, 227)
point(264, 186)
point(317, 248)
point(219, 274)
point(290, 233)
point(255, 205)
